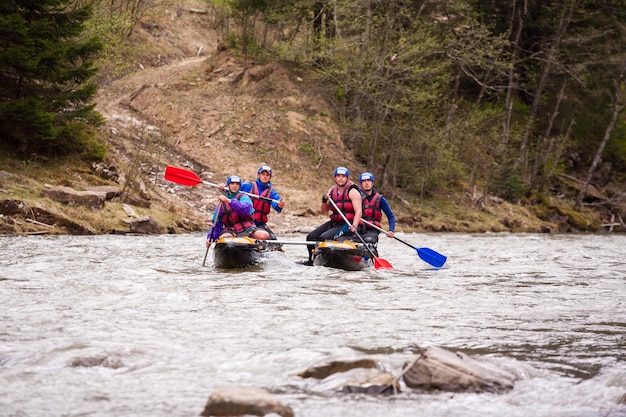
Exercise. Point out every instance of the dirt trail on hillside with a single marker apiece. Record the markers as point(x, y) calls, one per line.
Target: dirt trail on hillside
point(217, 117)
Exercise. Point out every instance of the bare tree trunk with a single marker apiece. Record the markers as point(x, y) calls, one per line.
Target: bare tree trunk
point(555, 113)
point(560, 147)
point(333, 17)
point(617, 109)
point(518, 18)
point(544, 154)
point(453, 106)
point(564, 21)
point(318, 8)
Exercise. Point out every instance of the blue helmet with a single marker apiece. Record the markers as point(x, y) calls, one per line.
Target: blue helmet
point(233, 178)
point(342, 171)
point(367, 176)
point(264, 168)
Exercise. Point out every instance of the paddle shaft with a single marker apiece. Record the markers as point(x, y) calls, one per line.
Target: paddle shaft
point(210, 240)
point(185, 177)
point(289, 242)
point(426, 254)
point(377, 262)
point(406, 243)
point(260, 197)
point(380, 229)
point(205, 255)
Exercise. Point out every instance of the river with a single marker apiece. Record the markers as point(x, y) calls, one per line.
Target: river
point(164, 331)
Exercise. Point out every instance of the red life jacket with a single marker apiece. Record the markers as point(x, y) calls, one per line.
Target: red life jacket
point(261, 207)
point(371, 209)
point(343, 202)
point(232, 221)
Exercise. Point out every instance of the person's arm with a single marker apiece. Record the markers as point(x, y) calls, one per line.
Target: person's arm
point(215, 232)
point(384, 206)
point(217, 228)
point(325, 207)
point(277, 206)
point(243, 206)
point(246, 187)
point(357, 205)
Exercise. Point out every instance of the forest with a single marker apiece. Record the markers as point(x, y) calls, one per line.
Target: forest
point(492, 98)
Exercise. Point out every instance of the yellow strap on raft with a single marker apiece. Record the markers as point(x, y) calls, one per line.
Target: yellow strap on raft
point(346, 244)
point(243, 240)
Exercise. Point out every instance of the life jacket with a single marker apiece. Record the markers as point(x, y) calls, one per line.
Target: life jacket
point(231, 220)
point(261, 206)
point(371, 208)
point(343, 202)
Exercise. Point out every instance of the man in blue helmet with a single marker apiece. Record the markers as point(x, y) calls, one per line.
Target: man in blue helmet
point(262, 206)
point(347, 198)
point(233, 215)
point(374, 205)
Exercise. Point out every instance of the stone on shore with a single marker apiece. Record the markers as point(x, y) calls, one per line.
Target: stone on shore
point(144, 225)
point(91, 199)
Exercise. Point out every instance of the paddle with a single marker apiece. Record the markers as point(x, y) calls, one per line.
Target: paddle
point(214, 220)
point(287, 242)
point(207, 250)
point(185, 177)
point(427, 255)
point(378, 262)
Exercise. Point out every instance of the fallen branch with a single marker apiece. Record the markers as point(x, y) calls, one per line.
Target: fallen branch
point(39, 223)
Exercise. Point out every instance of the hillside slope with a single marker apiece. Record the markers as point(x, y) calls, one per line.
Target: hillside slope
point(190, 102)
point(215, 116)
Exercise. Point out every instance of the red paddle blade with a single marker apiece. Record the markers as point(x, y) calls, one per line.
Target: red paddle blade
point(181, 176)
point(382, 263)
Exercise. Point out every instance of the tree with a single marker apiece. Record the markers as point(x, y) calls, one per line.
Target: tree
point(618, 105)
point(246, 14)
point(44, 71)
point(556, 101)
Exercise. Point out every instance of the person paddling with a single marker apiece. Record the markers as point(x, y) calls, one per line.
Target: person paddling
point(262, 206)
point(347, 197)
point(235, 214)
point(374, 205)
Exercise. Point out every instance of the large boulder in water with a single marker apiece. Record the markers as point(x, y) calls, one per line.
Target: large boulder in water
point(326, 369)
point(353, 376)
point(361, 380)
point(440, 369)
point(241, 401)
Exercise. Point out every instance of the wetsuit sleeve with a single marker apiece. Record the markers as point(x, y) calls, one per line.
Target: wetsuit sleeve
point(243, 206)
point(217, 228)
point(246, 187)
point(384, 206)
point(216, 231)
point(275, 196)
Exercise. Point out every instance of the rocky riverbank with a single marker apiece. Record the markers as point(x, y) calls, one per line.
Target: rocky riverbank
point(192, 103)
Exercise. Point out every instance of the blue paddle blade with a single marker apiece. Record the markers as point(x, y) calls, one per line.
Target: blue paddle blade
point(430, 256)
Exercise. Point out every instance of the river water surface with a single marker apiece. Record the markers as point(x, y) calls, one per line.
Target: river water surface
point(163, 331)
